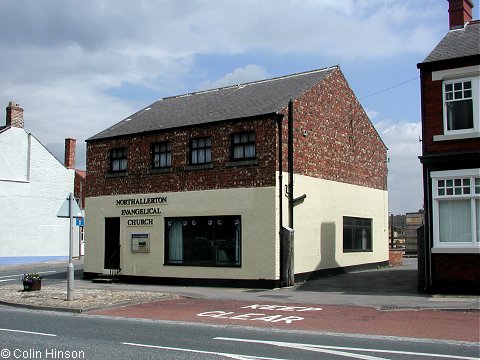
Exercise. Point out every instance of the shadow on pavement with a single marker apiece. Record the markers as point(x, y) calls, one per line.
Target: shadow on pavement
point(395, 281)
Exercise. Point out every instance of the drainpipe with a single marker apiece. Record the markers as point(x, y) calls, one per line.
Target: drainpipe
point(290, 164)
point(280, 195)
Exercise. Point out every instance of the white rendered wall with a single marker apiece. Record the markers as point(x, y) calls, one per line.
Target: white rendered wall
point(33, 185)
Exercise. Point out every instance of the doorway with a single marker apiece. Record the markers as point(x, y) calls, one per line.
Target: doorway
point(112, 243)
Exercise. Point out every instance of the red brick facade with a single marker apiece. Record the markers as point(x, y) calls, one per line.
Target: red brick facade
point(432, 108)
point(333, 140)
point(182, 177)
point(457, 272)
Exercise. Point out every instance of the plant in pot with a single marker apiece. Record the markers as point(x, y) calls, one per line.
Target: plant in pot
point(32, 282)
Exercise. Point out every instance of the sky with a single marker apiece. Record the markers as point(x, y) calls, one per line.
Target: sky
point(78, 67)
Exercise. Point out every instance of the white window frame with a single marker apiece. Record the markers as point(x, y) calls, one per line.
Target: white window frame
point(455, 247)
point(451, 76)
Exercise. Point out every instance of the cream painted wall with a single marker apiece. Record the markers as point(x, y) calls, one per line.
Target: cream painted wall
point(255, 205)
point(318, 223)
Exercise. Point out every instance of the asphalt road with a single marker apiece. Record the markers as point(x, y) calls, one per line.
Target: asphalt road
point(26, 334)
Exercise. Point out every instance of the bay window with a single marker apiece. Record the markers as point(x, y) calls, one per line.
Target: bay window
point(456, 208)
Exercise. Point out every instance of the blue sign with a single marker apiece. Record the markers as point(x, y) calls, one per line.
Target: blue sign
point(80, 221)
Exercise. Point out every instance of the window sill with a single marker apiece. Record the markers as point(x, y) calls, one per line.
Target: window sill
point(160, 171)
point(463, 136)
point(357, 251)
point(116, 175)
point(242, 163)
point(203, 265)
point(198, 167)
point(456, 250)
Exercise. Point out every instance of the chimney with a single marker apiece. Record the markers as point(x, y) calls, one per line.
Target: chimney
point(70, 145)
point(14, 115)
point(459, 13)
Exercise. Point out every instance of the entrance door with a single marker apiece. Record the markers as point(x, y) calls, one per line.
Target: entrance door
point(112, 243)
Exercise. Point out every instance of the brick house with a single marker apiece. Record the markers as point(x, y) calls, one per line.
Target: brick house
point(191, 188)
point(33, 186)
point(449, 259)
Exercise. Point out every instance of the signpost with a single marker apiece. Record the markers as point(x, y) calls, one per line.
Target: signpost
point(70, 209)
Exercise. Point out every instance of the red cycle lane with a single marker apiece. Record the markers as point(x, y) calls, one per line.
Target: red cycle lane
point(430, 324)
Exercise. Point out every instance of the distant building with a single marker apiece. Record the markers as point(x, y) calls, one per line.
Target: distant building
point(413, 221)
point(33, 186)
point(191, 189)
point(450, 96)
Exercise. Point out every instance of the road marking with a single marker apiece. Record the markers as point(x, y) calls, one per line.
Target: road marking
point(7, 280)
point(27, 332)
point(228, 355)
point(312, 347)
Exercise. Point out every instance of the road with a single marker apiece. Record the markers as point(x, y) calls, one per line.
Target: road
point(27, 334)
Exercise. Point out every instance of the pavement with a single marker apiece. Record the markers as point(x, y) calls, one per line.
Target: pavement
point(382, 301)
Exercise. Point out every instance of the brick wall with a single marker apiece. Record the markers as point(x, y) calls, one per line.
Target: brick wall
point(456, 272)
point(432, 108)
point(333, 137)
point(333, 140)
point(141, 180)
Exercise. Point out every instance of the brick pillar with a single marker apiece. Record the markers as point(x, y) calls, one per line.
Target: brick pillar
point(70, 145)
point(459, 12)
point(14, 115)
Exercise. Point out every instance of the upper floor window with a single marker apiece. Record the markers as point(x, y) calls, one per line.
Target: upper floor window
point(162, 155)
point(200, 151)
point(456, 208)
point(118, 160)
point(461, 104)
point(243, 146)
point(458, 105)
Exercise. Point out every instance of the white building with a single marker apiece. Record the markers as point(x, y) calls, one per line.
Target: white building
point(33, 186)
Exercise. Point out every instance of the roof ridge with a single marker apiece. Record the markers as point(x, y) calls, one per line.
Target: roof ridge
point(241, 85)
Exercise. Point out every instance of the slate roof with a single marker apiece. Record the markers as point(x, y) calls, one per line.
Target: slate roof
point(457, 43)
point(232, 102)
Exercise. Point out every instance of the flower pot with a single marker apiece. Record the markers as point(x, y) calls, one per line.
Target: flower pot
point(32, 286)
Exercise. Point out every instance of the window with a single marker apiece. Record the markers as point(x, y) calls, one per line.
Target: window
point(118, 160)
point(243, 146)
point(357, 234)
point(200, 151)
point(461, 114)
point(203, 240)
point(162, 155)
point(456, 208)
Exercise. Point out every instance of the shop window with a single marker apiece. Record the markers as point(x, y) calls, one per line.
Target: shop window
point(118, 160)
point(456, 208)
point(203, 240)
point(200, 151)
point(243, 146)
point(162, 155)
point(357, 234)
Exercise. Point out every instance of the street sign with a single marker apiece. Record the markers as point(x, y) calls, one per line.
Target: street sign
point(80, 221)
point(64, 210)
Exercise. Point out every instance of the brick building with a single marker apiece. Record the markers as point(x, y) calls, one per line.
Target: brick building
point(449, 258)
point(191, 188)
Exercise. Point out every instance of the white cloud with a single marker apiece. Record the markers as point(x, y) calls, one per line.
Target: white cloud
point(61, 59)
point(404, 168)
point(246, 74)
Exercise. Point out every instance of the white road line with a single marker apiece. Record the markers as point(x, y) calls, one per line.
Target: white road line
point(228, 355)
point(27, 332)
point(312, 347)
point(8, 280)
